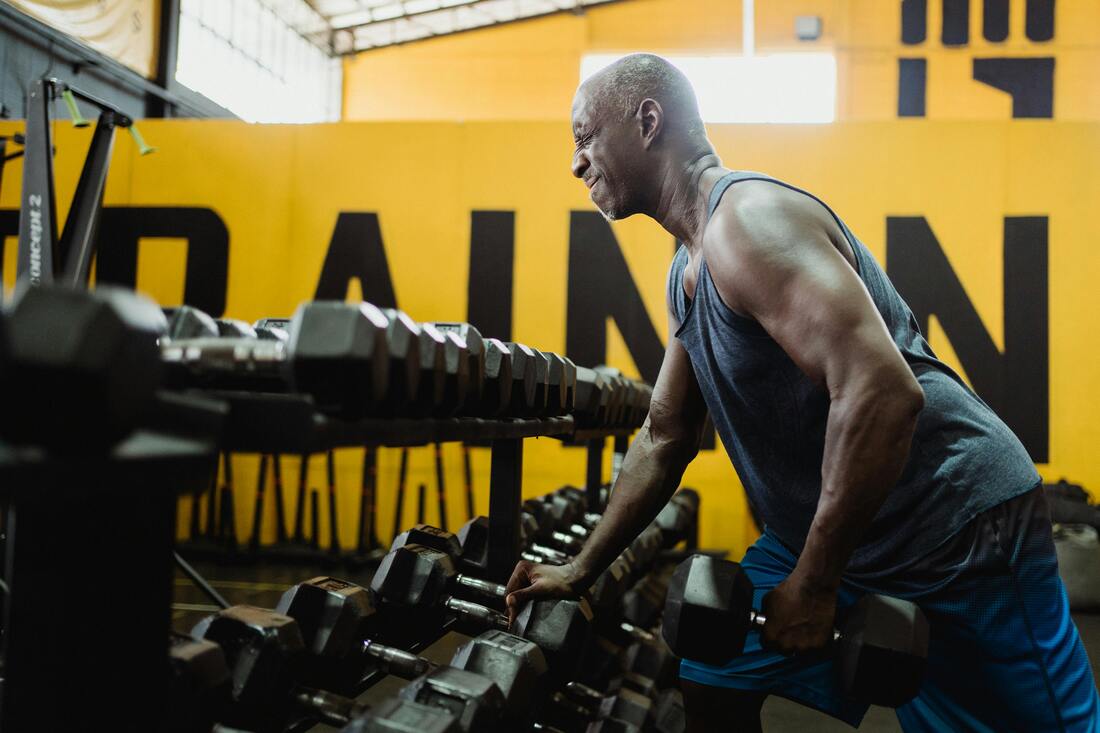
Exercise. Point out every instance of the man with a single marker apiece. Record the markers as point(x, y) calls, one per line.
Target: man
point(872, 465)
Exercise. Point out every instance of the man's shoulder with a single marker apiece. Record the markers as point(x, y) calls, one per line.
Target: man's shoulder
point(755, 205)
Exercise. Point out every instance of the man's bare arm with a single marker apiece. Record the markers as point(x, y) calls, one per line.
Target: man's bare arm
point(775, 260)
point(651, 471)
point(653, 465)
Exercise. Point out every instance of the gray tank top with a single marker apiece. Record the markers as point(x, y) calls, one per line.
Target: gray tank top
point(771, 419)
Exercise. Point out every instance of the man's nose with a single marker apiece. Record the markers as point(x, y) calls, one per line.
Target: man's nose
point(580, 163)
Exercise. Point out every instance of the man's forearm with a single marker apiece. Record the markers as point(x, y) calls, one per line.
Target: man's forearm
point(867, 442)
point(650, 473)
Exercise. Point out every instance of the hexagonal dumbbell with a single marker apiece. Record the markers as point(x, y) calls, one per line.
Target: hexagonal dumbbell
point(881, 648)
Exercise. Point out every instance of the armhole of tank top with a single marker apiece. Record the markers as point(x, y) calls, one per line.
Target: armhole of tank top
point(744, 324)
point(680, 304)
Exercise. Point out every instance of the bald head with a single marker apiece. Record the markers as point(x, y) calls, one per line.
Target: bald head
point(619, 90)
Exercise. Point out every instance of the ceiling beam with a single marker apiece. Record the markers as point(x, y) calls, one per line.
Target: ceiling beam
point(576, 9)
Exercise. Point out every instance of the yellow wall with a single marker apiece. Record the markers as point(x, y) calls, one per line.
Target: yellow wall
point(279, 190)
point(529, 70)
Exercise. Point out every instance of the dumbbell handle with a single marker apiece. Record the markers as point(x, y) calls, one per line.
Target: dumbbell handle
point(552, 555)
point(480, 613)
point(757, 619)
point(396, 661)
point(579, 531)
point(332, 709)
point(484, 587)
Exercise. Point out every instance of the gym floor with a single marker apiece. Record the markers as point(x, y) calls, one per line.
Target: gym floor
point(263, 584)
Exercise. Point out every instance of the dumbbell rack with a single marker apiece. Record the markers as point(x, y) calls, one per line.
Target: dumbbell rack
point(290, 423)
point(75, 629)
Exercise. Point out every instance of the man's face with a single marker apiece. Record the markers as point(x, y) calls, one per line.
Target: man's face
point(607, 157)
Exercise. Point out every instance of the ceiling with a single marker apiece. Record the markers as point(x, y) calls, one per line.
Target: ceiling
point(351, 26)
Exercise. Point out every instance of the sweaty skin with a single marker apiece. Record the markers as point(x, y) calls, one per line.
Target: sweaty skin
point(780, 259)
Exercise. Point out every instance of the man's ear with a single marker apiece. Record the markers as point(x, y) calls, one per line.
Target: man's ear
point(651, 121)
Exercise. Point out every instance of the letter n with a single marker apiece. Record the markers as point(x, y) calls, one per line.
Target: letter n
point(1015, 383)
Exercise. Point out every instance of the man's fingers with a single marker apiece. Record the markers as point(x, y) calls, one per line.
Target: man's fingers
point(516, 599)
point(519, 577)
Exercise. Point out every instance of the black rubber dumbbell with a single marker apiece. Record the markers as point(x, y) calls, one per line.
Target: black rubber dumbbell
point(497, 393)
point(199, 688)
point(339, 355)
point(234, 328)
point(83, 367)
point(188, 322)
point(501, 671)
point(420, 579)
point(273, 329)
point(881, 648)
point(264, 652)
point(474, 346)
point(534, 368)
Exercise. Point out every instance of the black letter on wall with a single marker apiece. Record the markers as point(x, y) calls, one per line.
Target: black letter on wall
point(914, 21)
point(956, 22)
point(1030, 81)
point(492, 255)
point(1016, 383)
point(207, 238)
point(356, 250)
point(995, 20)
point(912, 78)
point(601, 287)
point(1039, 25)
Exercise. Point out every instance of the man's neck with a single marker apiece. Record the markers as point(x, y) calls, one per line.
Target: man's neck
point(682, 204)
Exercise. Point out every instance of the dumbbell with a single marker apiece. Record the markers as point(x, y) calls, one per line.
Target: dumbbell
point(357, 361)
point(188, 322)
point(669, 716)
point(499, 381)
point(273, 329)
point(264, 651)
point(340, 356)
point(500, 670)
point(593, 394)
point(396, 715)
point(580, 707)
point(234, 328)
point(644, 602)
point(419, 578)
point(332, 615)
point(513, 665)
point(644, 669)
point(473, 345)
point(522, 402)
point(535, 366)
point(199, 687)
point(558, 387)
point(83, 366)
point(586, 518)
point(469, 548)
point(881, 648)
point(679, 516)
point(251, 364)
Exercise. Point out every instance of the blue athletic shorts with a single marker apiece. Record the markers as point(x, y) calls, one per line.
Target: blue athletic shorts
point(1004, 654)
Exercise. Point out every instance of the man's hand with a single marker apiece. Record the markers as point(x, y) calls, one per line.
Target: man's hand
point(530, 582)
point(798, 618)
